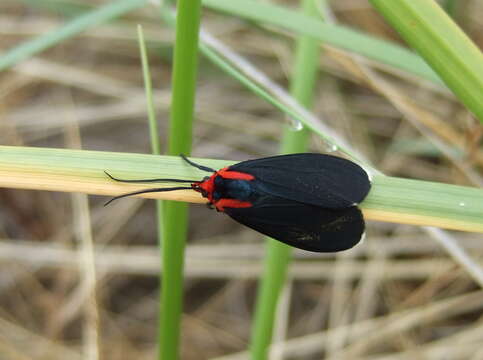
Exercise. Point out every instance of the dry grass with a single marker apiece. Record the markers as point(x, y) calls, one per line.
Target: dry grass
point(400, 295)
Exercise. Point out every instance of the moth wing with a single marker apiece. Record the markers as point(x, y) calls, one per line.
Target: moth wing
point(322, 180)
point(303, 226)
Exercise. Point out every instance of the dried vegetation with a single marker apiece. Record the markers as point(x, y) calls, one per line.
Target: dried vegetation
point(404, 294)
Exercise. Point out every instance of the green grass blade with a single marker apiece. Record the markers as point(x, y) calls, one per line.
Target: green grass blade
point(429, 30)
point(100, 15)
point(278, 255)
point(176, 214)
point(391, 199)
point(424, 202)
point(379, 50)
point(276, 262)
point(156, 149)
point(153, 124)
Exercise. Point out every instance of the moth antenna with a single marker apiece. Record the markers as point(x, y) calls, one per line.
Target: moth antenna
point(147, 191)
point(198, 166)
point(148, 180)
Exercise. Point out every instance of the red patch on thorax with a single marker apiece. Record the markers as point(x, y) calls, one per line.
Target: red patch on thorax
point(231, 203)
point(226, 173)
point(208, 187)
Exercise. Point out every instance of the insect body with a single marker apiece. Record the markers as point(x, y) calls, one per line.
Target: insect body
point(304, 200)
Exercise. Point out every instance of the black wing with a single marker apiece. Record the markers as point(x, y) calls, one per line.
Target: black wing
point(303, 226)
point(317, 179)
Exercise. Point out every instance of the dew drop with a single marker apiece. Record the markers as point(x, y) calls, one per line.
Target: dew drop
point(333, 148)
point(296, 125)
point(462, 203)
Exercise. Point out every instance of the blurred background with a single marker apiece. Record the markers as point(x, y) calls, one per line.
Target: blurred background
point(398, 296)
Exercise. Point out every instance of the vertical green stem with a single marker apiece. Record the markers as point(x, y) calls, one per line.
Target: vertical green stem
point(278, 254)
point(153, 124)
point(176, 214)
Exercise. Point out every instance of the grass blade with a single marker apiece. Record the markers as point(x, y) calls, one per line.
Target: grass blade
point(176, 214)
point(379, 50)
point(429, 30)
point(100, 15)
point(153, 124)
point(391, 199)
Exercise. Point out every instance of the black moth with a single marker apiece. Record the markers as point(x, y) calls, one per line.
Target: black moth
point(307, 200)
